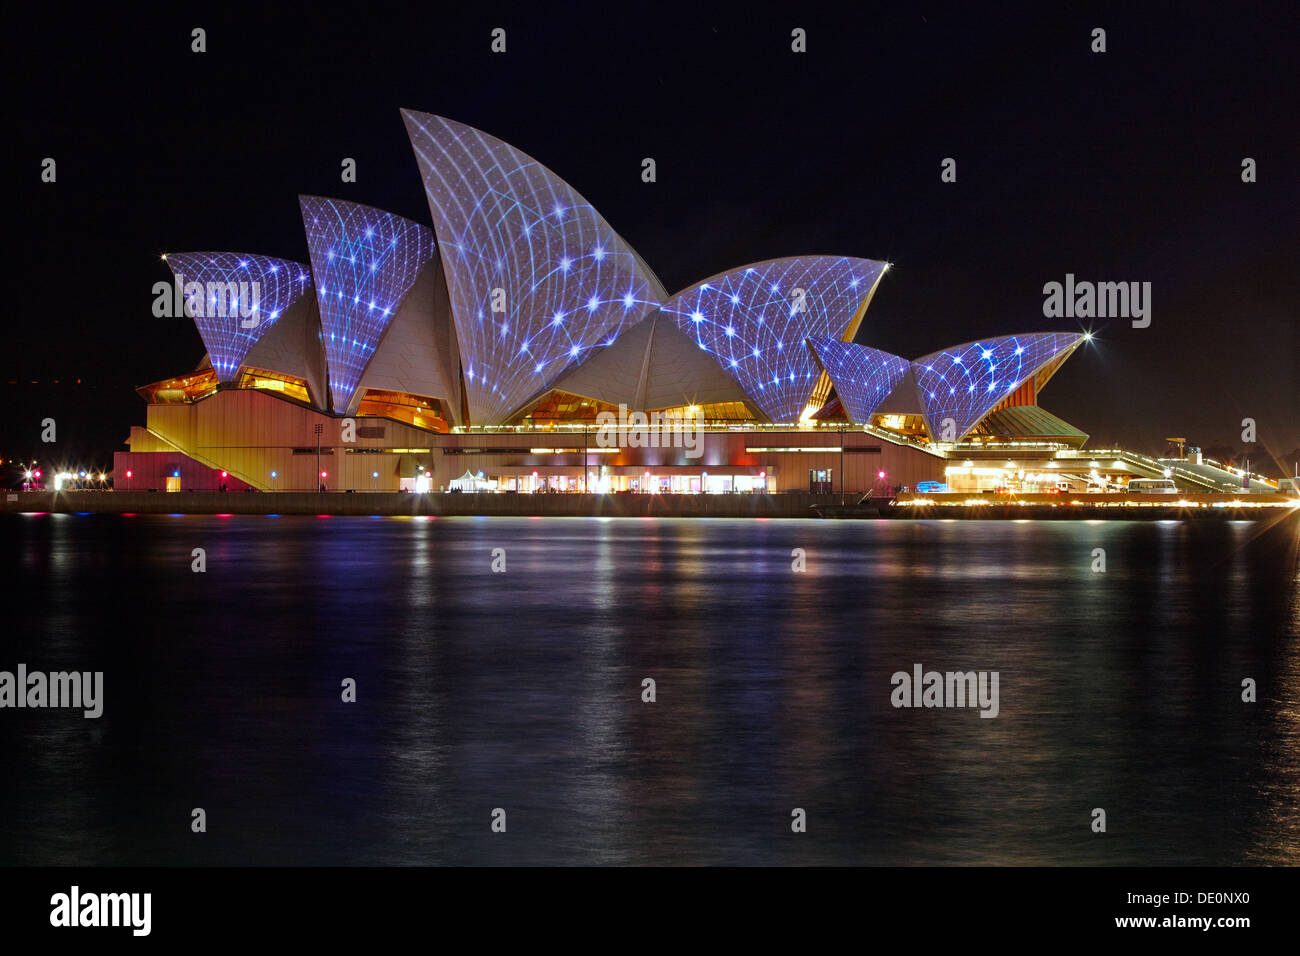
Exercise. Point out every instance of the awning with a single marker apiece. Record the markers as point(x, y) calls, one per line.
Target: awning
point(1029, 422)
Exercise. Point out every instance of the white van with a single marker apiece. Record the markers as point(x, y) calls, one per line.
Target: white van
point(1152, 486)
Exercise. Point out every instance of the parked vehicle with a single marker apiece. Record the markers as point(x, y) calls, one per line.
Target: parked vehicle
point(1148, 486)
point(931, 488)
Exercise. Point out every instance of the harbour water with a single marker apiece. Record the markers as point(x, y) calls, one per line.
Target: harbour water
point(499, 663)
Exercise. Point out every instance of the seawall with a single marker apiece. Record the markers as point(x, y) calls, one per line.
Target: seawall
point(789, 505)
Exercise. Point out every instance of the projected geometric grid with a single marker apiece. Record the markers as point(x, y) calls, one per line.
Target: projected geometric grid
point(246, 295)
point(863, 377)
point(964, 382)
point(568, 283)
point(364, 260)
point(753, 321)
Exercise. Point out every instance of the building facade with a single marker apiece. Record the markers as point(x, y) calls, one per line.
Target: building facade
point(520, 345)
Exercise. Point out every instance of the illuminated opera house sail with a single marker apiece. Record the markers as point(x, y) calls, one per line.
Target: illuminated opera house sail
point(481, 352)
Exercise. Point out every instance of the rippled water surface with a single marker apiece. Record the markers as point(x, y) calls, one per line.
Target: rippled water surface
point(522, 690)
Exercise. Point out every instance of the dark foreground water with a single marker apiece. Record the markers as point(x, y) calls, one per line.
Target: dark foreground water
point(522, 691)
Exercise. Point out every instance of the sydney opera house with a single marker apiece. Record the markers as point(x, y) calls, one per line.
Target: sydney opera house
point(492, 351)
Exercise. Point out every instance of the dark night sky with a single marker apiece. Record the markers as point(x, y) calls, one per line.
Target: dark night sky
point(1119, 166)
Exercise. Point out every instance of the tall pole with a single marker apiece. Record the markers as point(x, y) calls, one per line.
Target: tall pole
point(319, 429)
point(841, 464)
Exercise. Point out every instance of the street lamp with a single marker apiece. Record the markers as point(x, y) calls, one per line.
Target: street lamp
point(375, 476)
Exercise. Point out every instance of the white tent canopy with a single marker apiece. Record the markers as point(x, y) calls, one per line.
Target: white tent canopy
point(469, 482)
